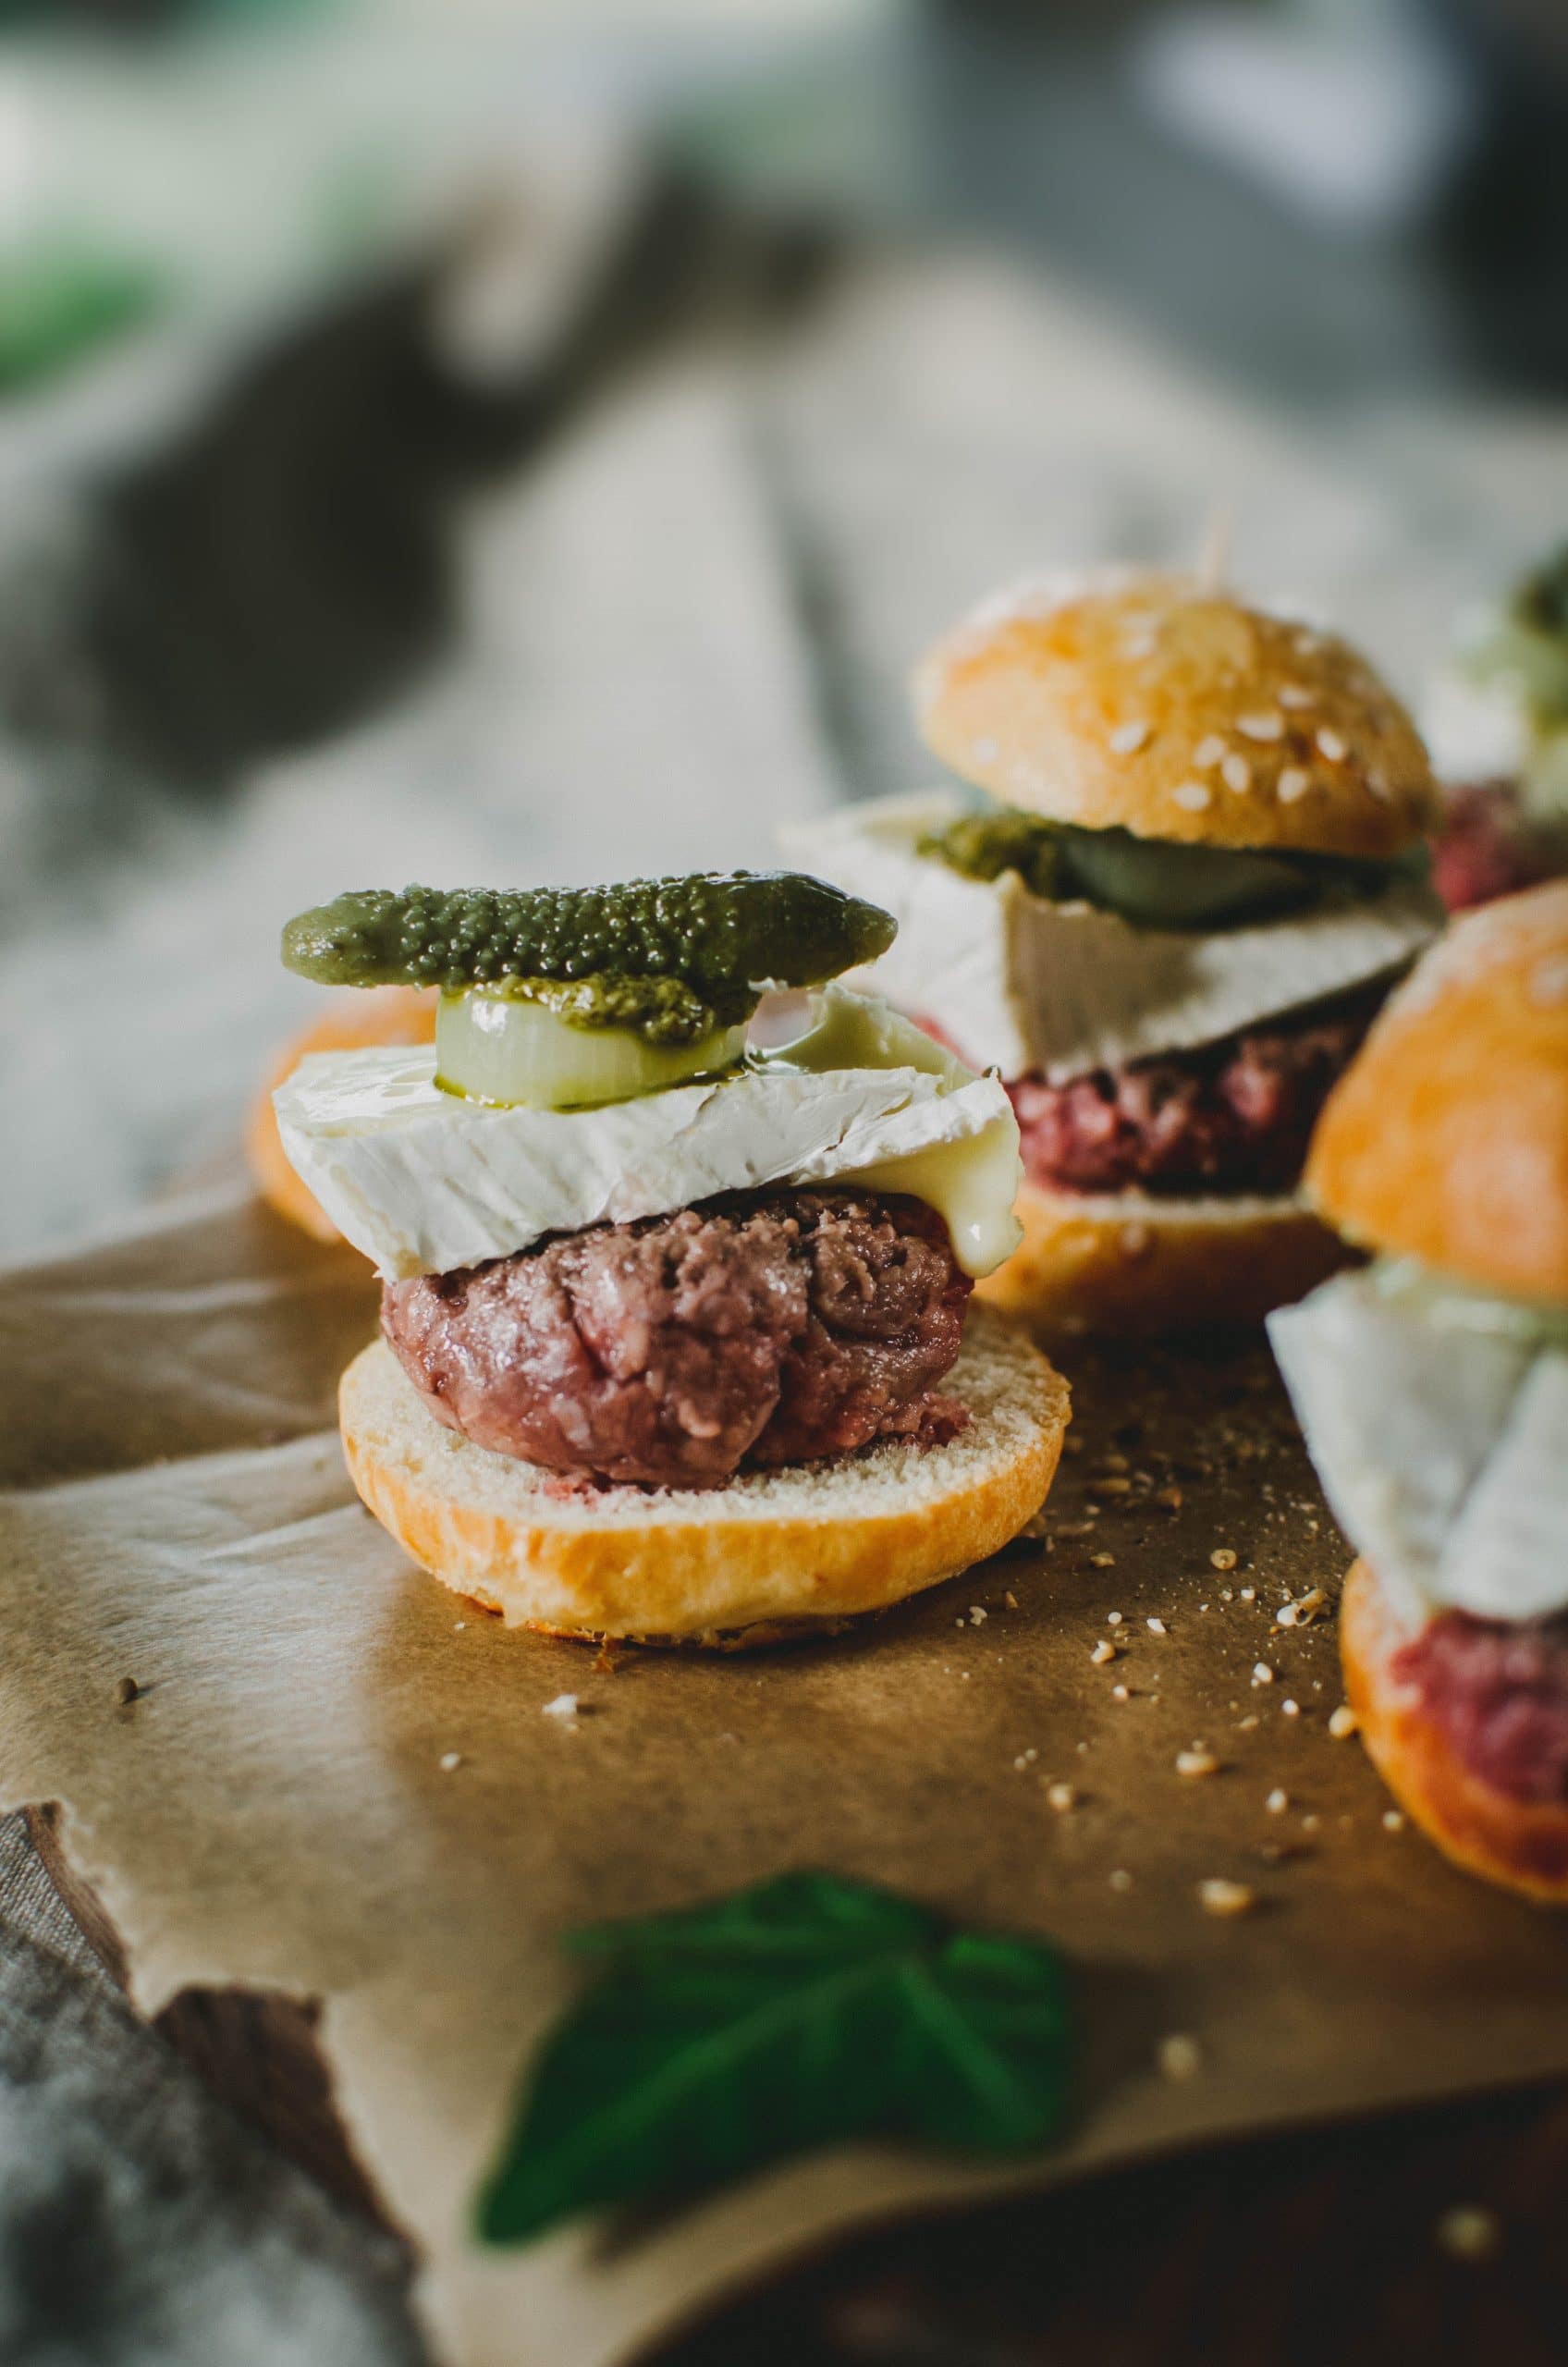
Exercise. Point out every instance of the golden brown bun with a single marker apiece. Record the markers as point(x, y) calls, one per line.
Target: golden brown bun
point(770, 1554)
point(1447, 1137)
point(1522, 1844)
point(1126, 1263)
point(1028, 697)
point(359, 1015)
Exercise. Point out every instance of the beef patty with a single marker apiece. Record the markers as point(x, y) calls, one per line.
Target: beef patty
point(762, 1327)
point(1489, 844)
point(1229, 1117)
point(1498, 1691)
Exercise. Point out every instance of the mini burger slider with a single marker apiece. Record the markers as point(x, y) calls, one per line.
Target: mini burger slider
point(1433, 1388)
point(674, 1330)
point(1199, 870)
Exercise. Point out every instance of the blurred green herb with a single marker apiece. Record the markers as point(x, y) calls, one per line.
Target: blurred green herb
point(62, 299)
point(801, 2013)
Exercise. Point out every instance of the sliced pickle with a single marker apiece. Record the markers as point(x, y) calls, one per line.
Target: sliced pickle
point(1161, 883)
point(1154, 883)
point(500, 1048)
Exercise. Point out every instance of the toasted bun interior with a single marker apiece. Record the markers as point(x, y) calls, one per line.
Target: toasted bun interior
point(1175, 711)
point(768, 1553)
point(1129, 1263)
point(1447, 1137)
point(359, 1015)
point(1521, 1844)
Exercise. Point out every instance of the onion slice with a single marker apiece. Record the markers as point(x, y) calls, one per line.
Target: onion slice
point(500, 1048)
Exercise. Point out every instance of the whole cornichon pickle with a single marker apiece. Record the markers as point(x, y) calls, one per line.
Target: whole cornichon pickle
point(717, 930)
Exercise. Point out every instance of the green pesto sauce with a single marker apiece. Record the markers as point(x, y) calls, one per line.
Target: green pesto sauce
point(661, 1010)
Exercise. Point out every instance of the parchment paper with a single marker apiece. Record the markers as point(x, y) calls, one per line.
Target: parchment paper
point(274, 1809)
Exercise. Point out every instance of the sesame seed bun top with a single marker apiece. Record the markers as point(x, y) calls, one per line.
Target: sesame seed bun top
point(1447, 1138)
point(1176, 711)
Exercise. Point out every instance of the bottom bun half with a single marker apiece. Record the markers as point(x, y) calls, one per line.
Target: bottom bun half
point(1521, 1844)
point(1127, 1262)
point(766, 1555)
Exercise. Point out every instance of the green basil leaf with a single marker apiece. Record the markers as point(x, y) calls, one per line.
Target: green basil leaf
point(803, 2012)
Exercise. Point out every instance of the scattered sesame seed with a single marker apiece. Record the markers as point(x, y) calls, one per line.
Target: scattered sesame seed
point(1180, 2057)
point(1289, 1709)
point(1469, 2231)
point(1287, 1614)
point(1296, 694)
point(1103, 1653)
point(1113, 1619)
point(1122, 1879)
point(1292, 783)
point(1209, 750)
point(1061, 1796)
point(563, 1706)
point(1262, 1673)
point(1154, 1627)
point(1102, 1561)
point(1277, 1802)
point(449, 1761)
point(1119, 1693)
point(1128, 738)
point(1245, 1726)
point(1249, 1594)
point(1193, 794)
point(977, 1614)
point(1331, 744)
point(1219, 1895)
point(458, 1627)
point(1393, 1820)
point(1236, 773)
point(1196, 1763)
point(1260, 727)
point(1011, 1600)
point(1222, 1558)
point(1344, 1722)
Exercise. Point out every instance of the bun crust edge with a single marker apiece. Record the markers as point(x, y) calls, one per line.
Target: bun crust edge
point(1153, 1267)
point(1523, 1845)
point(768, 1556)
point(1447, 1137)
